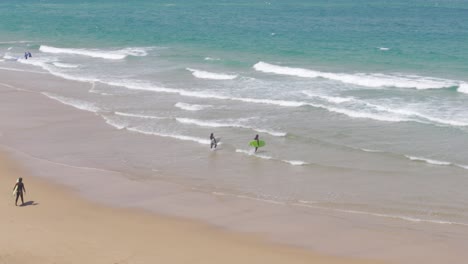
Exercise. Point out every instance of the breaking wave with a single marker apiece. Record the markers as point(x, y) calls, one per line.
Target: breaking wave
point(210, 75)
point(361, 79)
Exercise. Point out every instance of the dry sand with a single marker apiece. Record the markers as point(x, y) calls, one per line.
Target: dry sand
point(56, 226)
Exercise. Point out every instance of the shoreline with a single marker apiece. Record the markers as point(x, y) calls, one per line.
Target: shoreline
point(339, 234)
point(57, 226)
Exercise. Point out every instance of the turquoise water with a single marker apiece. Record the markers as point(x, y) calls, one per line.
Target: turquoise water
point(423, 36)
point(372, 91)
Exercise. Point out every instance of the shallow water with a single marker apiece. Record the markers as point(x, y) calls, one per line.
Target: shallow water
point(372, 93)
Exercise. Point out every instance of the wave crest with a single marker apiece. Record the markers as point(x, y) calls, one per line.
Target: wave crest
point(76, 103)
point(211, 75)
point(96, 53)
point(362, 79)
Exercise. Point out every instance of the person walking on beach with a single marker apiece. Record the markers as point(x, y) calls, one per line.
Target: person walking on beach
point(257, 138)
point(18, 190)
point(214, 143)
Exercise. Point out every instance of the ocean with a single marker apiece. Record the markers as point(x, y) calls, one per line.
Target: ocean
point(373, 94)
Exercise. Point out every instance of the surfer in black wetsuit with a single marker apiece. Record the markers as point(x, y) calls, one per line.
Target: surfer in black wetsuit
point(258, 142)
point(214, 143)
point(19, 189)
point(25, 55)
point(29, 54)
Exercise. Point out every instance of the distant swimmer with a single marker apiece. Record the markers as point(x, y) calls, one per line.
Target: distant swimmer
point(214, 142)
point(29, 54)
point(18, 191)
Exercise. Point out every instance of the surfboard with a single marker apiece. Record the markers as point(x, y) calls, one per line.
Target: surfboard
point(257, 144)
point(14, 190)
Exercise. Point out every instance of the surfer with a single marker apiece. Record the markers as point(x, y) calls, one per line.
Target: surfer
point(214, 143)
point(25, 55)
point(29, 54)
point(258, 142)
point(18, 190)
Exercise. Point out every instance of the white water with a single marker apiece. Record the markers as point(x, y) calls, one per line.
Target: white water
point(362, 79)
point(211, 75)
point(191, 107)
point(96, 53)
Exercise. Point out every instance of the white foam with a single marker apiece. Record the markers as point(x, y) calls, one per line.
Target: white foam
point(65, 65)
point(207, 123)
point(79, 104)
point(295, 162)
point(384, 48)
point(385, 114)
point(114, 123)
point(212, 59)
point(463, 87)
point(270, 132)
point(210, 75)
point(371, 150)
point(203, 123)
point(410, 113)
point(44, 63)
point(367, 115)
point(96, 53)
point(175, 136)
point(8, 57)
point(462, 166)
point(139, 116)
point(429, 161)
point(191, 107)
point(252, 153)
point(361, 79)
point(135, 85)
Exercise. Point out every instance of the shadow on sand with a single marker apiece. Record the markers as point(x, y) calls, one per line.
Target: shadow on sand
point(28, 203)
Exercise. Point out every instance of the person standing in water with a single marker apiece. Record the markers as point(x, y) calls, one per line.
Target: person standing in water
point(25, 55)
point(29, 54)
point(214, 143)
point(18, 190)
point(258, 142)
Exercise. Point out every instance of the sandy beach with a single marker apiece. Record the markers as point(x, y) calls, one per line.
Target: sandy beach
point(56, 226)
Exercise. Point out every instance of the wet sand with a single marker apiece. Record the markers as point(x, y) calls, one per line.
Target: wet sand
point(66, 146)
point(56, 226)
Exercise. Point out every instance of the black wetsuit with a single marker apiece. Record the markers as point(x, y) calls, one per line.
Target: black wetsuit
point(19, 192)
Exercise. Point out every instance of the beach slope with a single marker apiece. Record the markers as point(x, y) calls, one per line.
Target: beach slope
point(57, 226)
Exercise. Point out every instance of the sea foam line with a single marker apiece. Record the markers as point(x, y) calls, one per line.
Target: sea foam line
point(76, 103)
point(282, 103)
point(65, 65)
point(265, 157)
point(139, 116)
point(362, 79)
point(398, 217)
point(95, 53)
point(174, 136)
point(210, 75)
point(191, 107)
point(203, 123)
point(429, 161)
point(313, 204)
